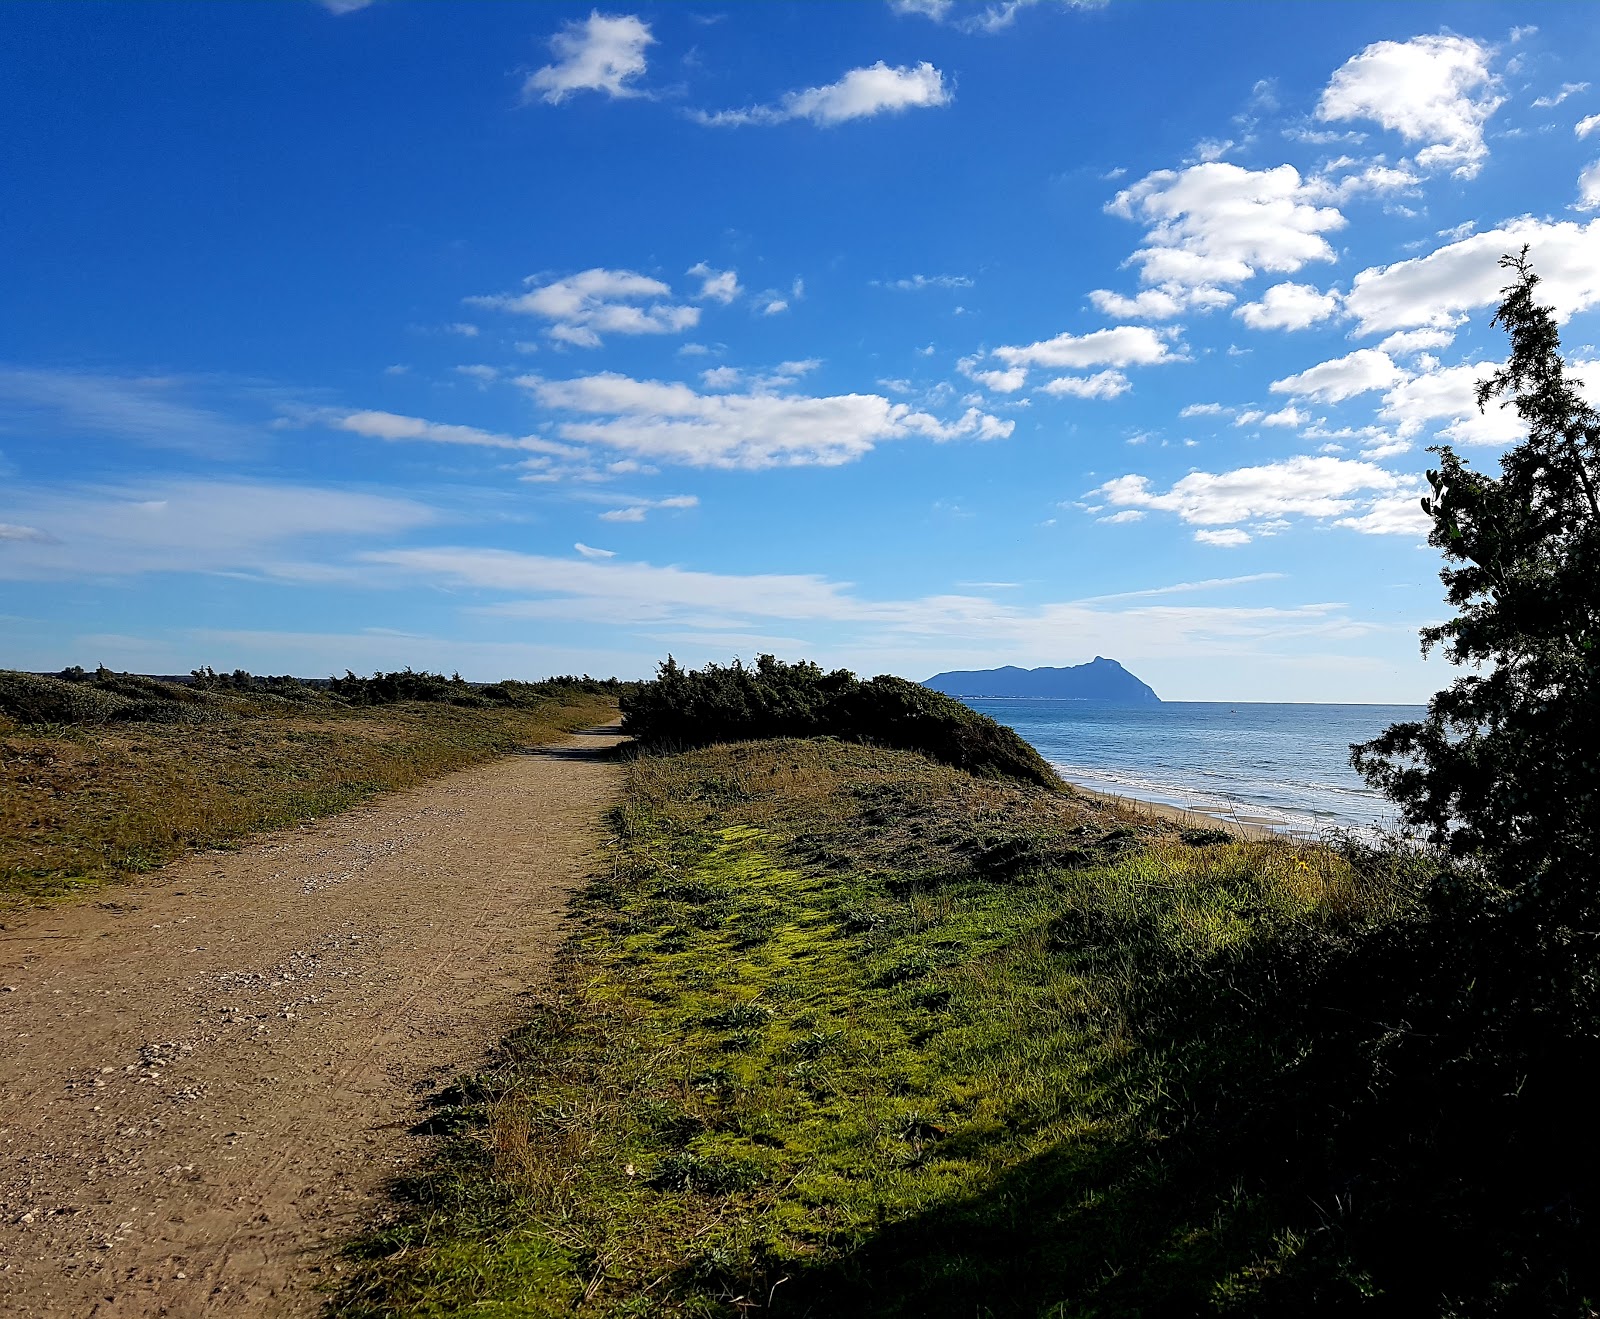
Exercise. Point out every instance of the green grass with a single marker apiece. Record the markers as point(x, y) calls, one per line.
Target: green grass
point(846, 1032)
point(86, 804)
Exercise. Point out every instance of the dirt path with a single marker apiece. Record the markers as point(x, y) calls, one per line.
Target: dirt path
point(206, 1078)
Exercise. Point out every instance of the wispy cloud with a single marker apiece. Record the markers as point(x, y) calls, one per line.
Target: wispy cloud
point(146, 410)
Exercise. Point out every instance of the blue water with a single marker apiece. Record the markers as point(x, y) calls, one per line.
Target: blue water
point(1282, 765)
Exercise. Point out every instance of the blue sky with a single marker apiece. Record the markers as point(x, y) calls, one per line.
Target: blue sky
point(903, 336)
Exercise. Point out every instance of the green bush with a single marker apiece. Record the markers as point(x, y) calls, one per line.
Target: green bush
point(735, 703)
point(413, 685)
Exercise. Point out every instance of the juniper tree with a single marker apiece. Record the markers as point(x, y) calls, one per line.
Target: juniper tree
point(1505, 768)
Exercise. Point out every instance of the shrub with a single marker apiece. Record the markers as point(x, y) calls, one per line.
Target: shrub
point(736, 703)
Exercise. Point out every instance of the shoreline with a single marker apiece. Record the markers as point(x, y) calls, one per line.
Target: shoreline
point(1246, 827)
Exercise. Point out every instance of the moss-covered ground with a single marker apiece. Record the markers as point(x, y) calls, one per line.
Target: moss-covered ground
point(845, 1032)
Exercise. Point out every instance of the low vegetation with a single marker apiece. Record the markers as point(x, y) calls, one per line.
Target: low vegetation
point(107, 774)
point(847, 1032)
point(684, 708)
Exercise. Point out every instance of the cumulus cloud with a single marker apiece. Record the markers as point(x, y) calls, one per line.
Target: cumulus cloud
point(1586, 125)
point(1359, 372)
point(1102, 384)
point(1159, 304)
point(1303, 486)
point(1216, 224)
point(1448, 395)
point(1394, 515)
point(860, 94)
point(590, 552)
point(1008, 381)
point(1289, 307)
point(1227, 536)
point(592, 303)
point(599, 54)
point(1417, 341)
point(1436, 290)
point(751, 430)
point(1589, 188)
point(1436, 90)
point(715, 285)
point(1121, 346)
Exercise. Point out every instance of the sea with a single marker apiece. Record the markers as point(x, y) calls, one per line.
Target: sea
point(1283, 766)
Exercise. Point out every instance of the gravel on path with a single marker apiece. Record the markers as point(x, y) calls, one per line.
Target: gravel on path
point(207, 1078)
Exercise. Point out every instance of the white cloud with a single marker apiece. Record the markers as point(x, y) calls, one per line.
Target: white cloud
point(1436, 90)
point(344, 6)
point(599, 54)
point(185, 526)
point(594, 302)
point(753, 430)
point(1437, 289)
point(891, 633)
point(1395, 515)
point(774, 305)
point(1416, 341)
point(635, 510)
point(916, 283)
point(1289, 307)
point(1348, 177)
point(860, 94)
point(716, 285)
point(1122, 345)
point(484, 375)
point(1159, 304)
point(1008, 381)
point(1217, 224)
point(1226, 536)
point(1589, 188)
point(1449, 395)
point(1126, 515)
point(465, 329)
point(1289, 417)
point(394, 427)
point(994, 17)
point(1359, 372)
point(1203, 410)
point(1567, 89)
point(590, 552)
point(1102, 384)
point(1309, 487)
point(1586, 125)
point(150, 411)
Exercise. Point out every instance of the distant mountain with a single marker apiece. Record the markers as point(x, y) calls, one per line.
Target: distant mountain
point(1099, 680)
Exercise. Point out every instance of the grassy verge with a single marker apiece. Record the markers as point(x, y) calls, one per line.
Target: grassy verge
point(846, 1032)
point(82, 805)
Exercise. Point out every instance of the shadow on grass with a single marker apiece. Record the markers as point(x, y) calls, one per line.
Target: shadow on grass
point(1401, 1125)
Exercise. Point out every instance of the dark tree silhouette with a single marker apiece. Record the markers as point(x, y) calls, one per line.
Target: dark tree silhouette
point(1504, 769)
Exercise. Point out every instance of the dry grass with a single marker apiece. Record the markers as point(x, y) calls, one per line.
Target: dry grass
point(84, 806)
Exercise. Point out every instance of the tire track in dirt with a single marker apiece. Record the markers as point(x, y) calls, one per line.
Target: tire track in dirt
point(206, 1078)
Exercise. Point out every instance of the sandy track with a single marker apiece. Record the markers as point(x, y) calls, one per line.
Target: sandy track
point(205, 1079)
